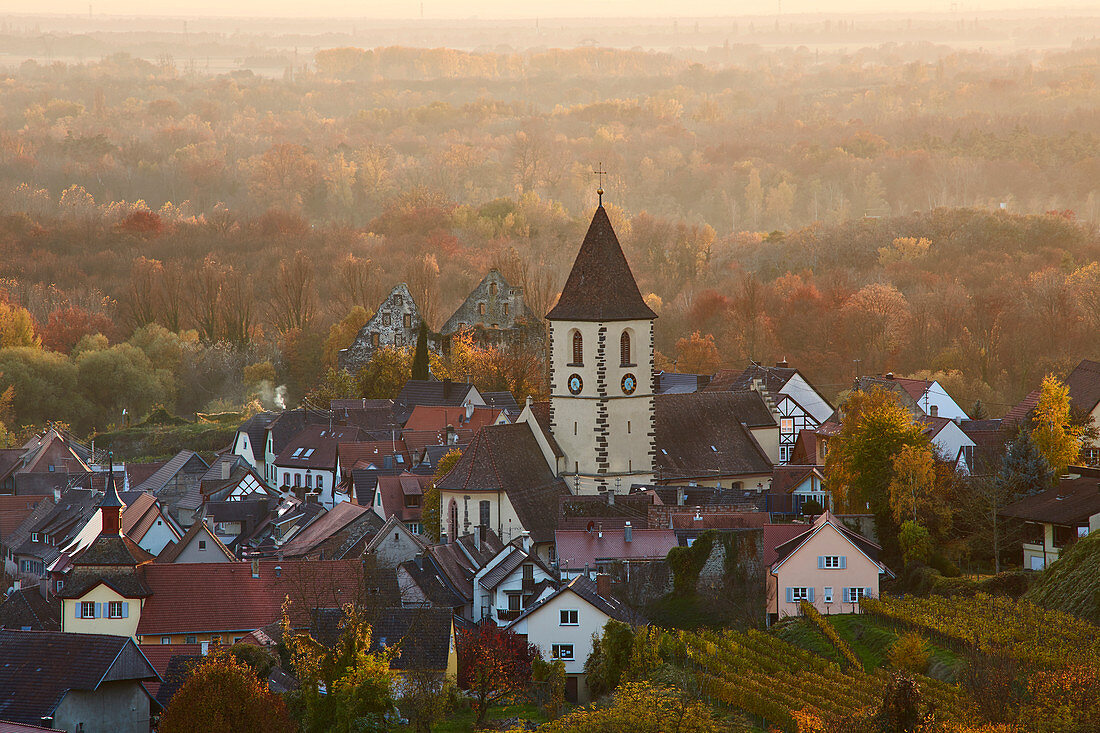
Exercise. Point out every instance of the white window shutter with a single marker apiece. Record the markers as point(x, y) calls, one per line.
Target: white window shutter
point(790, 595)
point(843, 562)
point(820, 562)
point(810, 595)
point(125, 609)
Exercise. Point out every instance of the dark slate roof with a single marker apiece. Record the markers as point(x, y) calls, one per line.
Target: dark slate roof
point(433, 392)
point(453, 560)
point(256, 429)
point(126, 582)
point(508, 458)
point(500, 400)
point(1084, 385)
point(586, 589)
point(601, 286)
point(38, 668)
point(700, 435)
point(421, 634)
point(773, 377)
point(27, 609)
point(111, 550)
point(736, 500)
point(541, 411)
point(1069, 503)
point(168, 471)
point(178, 670)
point(677, 383)
point(432, 583)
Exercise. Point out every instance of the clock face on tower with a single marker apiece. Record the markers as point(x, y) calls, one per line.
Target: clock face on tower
point(575, 383)
point(630, 383)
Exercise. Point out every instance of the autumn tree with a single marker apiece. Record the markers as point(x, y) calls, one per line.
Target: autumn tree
point(65, 326)
point(342, 334)
point(860, 463)
point(422, 277)
point(223, 695)
point(345, 688)
point(286, 177)
point(385, 374)
point(493, 664)
point(356, 284)
point(16, 326)
point(431, 518)
point(1055, 436)
point(697, 354)
point(914, 493)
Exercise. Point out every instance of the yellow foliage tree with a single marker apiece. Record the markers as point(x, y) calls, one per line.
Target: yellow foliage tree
point(342, 334)
point(641, 707)
point(913, 490)
point(697, 354)
point(1054, 436)
point(17, 327)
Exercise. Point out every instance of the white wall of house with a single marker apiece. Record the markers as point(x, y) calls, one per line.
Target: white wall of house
point(936, 396)
point(321, 480)
point(158, 536)
point(802, 393)
point(242, 446)
point(544, 628)
point(491, 602)
point(950, 440)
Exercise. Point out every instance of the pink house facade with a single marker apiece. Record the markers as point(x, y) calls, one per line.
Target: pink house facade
point(827, 565)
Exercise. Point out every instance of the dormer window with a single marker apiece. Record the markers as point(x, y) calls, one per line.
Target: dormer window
point(34, 537)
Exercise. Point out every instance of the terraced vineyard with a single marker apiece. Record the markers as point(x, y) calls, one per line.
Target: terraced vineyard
point(1036, 636)
point(768, 678)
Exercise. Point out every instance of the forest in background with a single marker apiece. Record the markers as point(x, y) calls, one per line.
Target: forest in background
point(842, 210)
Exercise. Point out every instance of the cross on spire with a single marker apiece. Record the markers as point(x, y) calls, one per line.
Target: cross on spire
point(601, 173)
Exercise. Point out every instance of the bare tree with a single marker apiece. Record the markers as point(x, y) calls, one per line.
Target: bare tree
point(203, 299)
point(293, 298)
point(238, 306)
point(423, 281)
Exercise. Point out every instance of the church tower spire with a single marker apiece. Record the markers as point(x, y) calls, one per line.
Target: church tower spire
point(110, 507)
point(601, 368)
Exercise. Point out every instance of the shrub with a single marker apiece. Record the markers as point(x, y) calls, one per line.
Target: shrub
point(909, 653)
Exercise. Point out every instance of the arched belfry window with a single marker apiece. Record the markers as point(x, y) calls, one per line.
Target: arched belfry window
point(578, 348)
point(624, 349)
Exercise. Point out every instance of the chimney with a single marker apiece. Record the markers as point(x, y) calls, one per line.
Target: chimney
point(698, 515)
point(469, 411)
point(256, 567)
point(419, 562)
point(934, 411)
point(679, 496)
point(477, 538)
point(628, 532)
point(57, 495)
point(446, 388)
point(527, 401)
point(889, 375)
point(599, 531)
point(611, 498)
point(452, 437)
point(525, 540)
point(782, 364)
point(603, 585)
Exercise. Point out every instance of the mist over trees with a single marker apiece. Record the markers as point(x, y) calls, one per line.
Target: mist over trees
point(841, 209)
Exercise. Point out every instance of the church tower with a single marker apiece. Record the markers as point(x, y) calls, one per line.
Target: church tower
point(601, 369)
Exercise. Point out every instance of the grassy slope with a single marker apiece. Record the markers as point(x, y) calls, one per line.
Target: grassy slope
point(160, 442)
point(1072, 584)
point(869, 640)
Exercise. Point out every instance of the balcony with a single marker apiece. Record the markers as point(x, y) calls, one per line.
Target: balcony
point(503, 614)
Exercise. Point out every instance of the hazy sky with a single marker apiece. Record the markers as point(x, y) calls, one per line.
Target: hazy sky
point(394, 9)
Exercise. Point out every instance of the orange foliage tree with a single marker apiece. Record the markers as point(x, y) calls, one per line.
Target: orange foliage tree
point(222, 695)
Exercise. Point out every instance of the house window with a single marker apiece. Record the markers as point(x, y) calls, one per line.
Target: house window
point(374, 339)
point(415, 527)
point(784, 454)
point(202, 544)
point(34, 537)
point(192, 640)
point(492, 288)
point(320, 482)
point(408, 320)
point(794, 595)
point(853, 595)
point(309, 481)
point(481, 309)
point(411, 500)
point(624, 349)
point(832, 562)
point(827, 594)
point(286, 479)
point(297, 480)
point(484, 512)
point(786, 425)
point(166, 640)
point(578, 348)
point(568, 617)
point(114, 609)
point(87, 609)
point(385, 319)
point(58, 585)
point(452, 521)
point(561, 651)
point(514, 602)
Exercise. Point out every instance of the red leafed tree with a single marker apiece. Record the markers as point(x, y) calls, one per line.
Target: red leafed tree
point(66, 326)
point(222, 695)
point(142, 222)
point(493, 663)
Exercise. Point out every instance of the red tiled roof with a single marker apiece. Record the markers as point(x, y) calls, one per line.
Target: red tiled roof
point(373, 451)
point(139, 516)
point(1022, 408)
point(576, 548)
point(394, 489)
point(14, 510)
point(438, 417)
point(195, 598)
point(160, 654)
point(1084, 385)
point(711, 520)
point(778, 534)
point(915, 388)
point(322, 441)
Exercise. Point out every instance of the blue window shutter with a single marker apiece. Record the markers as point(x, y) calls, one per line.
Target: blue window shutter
point(810, 595)
point(843, 562)
point(76, 607)
point(847, 595)
point(820, 562)
point(125, 609)
point(790, 595)
point(867, 592)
